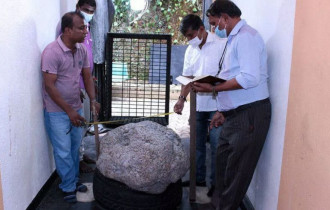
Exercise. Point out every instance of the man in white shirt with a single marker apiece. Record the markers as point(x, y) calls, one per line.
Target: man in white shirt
point(244, 107)
point(201, 58)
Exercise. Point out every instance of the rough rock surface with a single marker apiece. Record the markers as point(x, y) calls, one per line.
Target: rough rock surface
point(145, 156)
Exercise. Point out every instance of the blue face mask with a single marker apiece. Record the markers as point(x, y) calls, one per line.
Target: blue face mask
point(220, 33)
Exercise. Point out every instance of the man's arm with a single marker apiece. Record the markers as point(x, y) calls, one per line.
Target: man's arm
point(178, 107)
point(54, 94)
point(248, 55)
point(185, 90)
point(90, 89)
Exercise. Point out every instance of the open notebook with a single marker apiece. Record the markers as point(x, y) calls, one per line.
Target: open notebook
point(202, 79)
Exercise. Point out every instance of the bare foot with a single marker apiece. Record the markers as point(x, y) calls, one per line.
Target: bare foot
point(84, 167)
point(87, 159)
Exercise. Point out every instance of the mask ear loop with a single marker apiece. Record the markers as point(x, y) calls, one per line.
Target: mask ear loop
point(219, 22)
point(199, 30)
point(198, 34)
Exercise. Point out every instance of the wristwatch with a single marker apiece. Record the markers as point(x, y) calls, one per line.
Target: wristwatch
point(182, 97)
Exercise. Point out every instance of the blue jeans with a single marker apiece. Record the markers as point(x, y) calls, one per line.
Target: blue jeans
point(65, 147)
point(202, 127)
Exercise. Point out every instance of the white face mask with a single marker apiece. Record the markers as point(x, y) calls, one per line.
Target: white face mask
point(195, 42)
point(87, 17)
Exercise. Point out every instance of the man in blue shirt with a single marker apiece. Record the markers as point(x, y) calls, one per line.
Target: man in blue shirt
point(244, 109)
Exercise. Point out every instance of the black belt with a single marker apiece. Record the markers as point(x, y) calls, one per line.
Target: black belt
point(245, 106)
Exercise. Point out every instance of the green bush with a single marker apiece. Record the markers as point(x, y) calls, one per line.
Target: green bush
point(161, 17)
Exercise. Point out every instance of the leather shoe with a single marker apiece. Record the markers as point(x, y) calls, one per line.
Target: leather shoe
point(70, 197)
point(81, 187)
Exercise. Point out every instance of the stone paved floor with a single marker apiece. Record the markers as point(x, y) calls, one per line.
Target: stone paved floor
point(179, 123)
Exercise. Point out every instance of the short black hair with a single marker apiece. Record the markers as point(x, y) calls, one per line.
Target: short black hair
point(190, 21)
point(223, 6)
point(89, 2)
point(67, 20)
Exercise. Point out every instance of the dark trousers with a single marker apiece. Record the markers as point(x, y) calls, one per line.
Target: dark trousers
point(241, 140)
point(202, 124)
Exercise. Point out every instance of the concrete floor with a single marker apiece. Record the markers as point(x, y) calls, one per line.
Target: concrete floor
point(179, 123)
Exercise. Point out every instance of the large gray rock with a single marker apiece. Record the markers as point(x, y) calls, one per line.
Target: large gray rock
point(145, 156)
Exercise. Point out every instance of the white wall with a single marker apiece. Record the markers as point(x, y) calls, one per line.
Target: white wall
point(27, 26)
point(275, 21)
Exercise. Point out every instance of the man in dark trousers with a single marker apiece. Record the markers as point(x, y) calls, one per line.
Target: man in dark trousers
point(63, 61)
point(201, 58)
point(244, 109)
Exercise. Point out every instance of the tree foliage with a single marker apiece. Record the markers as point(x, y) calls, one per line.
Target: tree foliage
point(161, 16)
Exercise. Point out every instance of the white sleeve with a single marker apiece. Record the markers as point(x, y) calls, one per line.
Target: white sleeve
point(187, 65)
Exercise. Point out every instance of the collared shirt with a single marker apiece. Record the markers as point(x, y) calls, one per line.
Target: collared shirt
point(205, 61)
point(58, 59)
point(245, 60)
point(89, 47)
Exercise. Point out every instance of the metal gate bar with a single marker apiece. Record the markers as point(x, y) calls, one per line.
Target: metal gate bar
point(136, 78)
